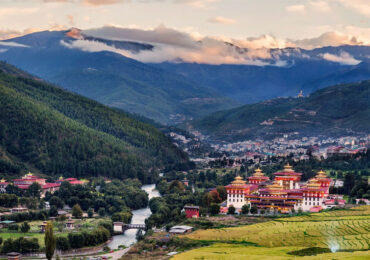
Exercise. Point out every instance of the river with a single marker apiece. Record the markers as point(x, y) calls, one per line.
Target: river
point(138, 217)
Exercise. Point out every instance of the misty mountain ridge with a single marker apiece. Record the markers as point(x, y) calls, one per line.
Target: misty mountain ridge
point(100, 68)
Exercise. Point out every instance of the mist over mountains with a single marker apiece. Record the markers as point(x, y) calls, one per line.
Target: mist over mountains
point(171, 76)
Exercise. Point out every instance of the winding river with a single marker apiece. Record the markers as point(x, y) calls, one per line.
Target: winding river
point(138, 217)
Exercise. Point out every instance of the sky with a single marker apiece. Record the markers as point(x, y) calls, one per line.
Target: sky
point(238, 19)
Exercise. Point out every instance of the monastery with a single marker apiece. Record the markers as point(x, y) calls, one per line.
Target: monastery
point(284, 193)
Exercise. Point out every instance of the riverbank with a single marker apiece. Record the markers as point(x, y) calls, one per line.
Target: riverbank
point(138, 217)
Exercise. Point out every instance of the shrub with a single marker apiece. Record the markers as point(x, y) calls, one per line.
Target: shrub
point(25, 227)
point(62, 243)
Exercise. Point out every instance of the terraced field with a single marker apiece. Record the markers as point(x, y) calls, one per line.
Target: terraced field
point(236, 252)
point(334, 230)
point(344, 229)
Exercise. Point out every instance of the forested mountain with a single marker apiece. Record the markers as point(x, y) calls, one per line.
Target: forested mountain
point(50, 130)
point(111, 78)
point(336, 110)
point(251, 84)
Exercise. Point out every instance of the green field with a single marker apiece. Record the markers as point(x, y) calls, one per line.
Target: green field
point(234, 252)
point(339, 229)
point(34, 232)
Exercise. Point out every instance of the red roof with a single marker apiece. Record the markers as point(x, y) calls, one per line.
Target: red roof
point(332, 202)
point(76, 182)
point(23, 186)
point(244, 186)
point(50, 185)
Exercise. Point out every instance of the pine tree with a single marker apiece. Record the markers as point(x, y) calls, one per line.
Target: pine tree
point(50, 241)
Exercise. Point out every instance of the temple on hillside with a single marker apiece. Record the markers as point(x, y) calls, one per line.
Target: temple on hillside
point(285, 193)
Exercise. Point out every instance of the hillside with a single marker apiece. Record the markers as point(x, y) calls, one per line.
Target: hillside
point(50, 130)
point(111, 78)
point(340, 109)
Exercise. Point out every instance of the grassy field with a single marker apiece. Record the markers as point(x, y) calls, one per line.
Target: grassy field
point(82, 224)
point(234, 252)
point(335, 230)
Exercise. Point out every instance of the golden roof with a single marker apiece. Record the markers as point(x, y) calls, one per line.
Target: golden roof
point(2, 180)
point(288, 168)
point(321, 175)
point(61, 178)
point(258, 173)
point(313, 183)
point(274, 186)
point(238, 181)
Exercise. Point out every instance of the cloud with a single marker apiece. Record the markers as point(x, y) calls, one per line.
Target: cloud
point(343, 58)
point(9, 34)
point(360, 6)
point(320, 6)
point(326, 39)
point(102, 2)
point(222, 20)
point(13, 44)
point(17, 11)
point(200, 4)
point(295, 8)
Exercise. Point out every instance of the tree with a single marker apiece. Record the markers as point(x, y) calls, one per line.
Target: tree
point(231, 210)
point(139, 235)
point(53, 211)
point(56, 201)
point(254, 209)
point(34, 190)
point(50, 241)
point(101, 212)
point(77, 211)
point(25, 227)
point(215, 208)
point(222, 192)
point(245, 209)
point(90, 212)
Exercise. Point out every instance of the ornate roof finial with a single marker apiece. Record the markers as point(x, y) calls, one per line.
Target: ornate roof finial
point(288, 168)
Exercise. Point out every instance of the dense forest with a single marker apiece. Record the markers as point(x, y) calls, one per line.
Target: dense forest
point(333, 111)
point(52, 131)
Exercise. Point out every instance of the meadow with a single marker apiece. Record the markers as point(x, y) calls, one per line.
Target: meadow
point(347, 230)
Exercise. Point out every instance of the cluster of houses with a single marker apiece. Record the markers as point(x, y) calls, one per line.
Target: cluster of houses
point(25, 182)
point(286, 193)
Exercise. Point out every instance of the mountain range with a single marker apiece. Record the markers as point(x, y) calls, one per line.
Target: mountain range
point(46, 129)
point(111, 78)
point(174, 91)
point(332, 111)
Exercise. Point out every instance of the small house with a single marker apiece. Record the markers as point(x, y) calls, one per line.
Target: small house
point(70, 224)
point(43, 227)
point(192, 211)
point(118, 227)
point(181, 229)
point(6, 223)
point(19, 210)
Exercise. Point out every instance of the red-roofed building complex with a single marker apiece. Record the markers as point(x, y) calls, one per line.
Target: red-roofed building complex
point(284, 194)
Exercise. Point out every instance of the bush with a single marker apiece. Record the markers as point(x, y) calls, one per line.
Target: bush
point(62, 243)
point(215, 208)
point(25, 227)
point(76, 240)
point(231, 210)
point(22, 245)
point(245, 209)
point(90, 212)
point(14, 227)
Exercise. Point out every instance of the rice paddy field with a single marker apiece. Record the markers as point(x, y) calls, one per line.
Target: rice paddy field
point(335, 230)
